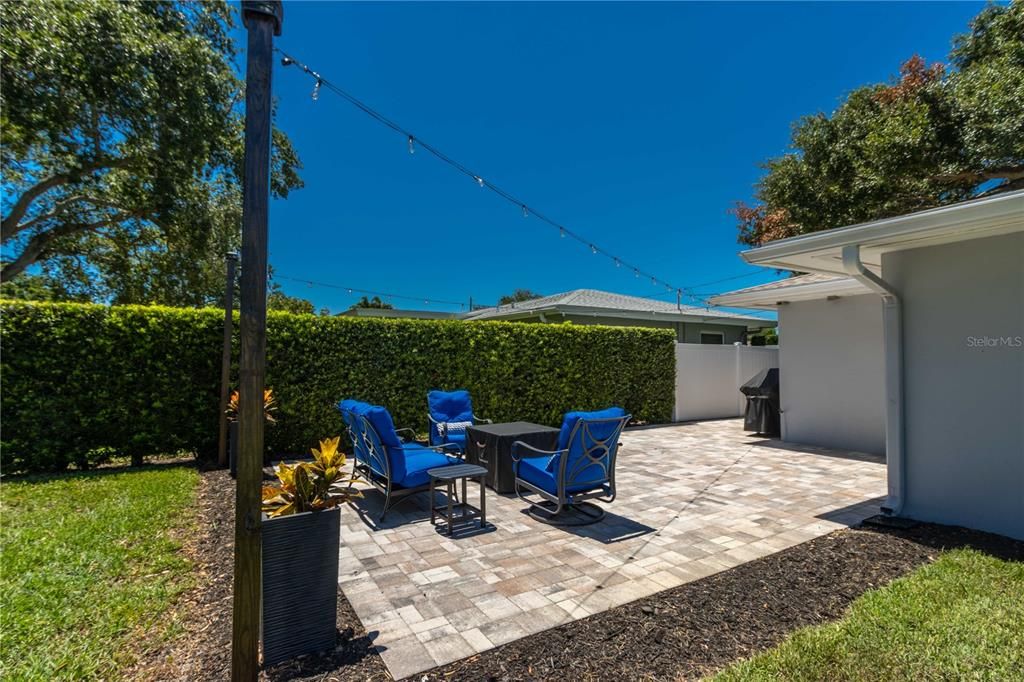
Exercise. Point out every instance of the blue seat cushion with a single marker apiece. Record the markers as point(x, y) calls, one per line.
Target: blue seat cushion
point(535, 470)
point(450, 406)
point(570, 419)
point(568, 424)
point(458, 439)
point(351, 410)
point(417, 461)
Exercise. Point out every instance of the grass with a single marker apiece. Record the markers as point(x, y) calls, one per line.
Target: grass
point(87, 562)
point(961, 617)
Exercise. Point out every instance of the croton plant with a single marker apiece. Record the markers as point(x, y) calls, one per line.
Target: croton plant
point(269, 405)
point(311, 486)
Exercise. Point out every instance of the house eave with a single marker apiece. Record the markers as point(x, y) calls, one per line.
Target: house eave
point(770, 299)
point(821, 252)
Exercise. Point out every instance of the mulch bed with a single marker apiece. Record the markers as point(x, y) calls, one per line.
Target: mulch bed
point(682, 633)
point(203, 650)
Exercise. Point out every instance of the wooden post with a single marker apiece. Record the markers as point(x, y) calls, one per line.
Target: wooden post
point(230, 260)
point(262, 18)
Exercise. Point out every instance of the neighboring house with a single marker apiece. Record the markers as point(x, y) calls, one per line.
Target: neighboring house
point(397, 313)
point(590, 306)
point(831, 361)
point(950, 286)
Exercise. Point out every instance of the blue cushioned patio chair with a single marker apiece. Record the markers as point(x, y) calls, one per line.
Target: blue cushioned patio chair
point(450, 412)
point(581, 469)
point(396, 467)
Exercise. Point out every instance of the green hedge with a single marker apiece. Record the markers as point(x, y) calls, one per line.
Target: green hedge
point(81, 382)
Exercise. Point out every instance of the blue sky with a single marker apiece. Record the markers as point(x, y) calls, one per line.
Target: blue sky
point(637, 125)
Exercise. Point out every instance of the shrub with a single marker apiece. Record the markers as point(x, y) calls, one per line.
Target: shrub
point(80, 381)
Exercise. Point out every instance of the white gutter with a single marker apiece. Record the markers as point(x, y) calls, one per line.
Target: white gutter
point(892, 327)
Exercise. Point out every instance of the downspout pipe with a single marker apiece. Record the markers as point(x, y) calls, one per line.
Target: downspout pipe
point(892, 326)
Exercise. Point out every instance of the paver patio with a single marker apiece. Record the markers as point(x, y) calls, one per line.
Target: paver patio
point(694, 499)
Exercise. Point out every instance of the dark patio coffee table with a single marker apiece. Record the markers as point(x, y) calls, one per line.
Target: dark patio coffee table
point(490, 445)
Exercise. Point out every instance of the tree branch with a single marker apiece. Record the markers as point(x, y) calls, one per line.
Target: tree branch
point(37, 245)
point(9, 225)
point(1005, 172)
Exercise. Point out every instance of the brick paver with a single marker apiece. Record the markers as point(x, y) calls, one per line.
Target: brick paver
point(694, 499)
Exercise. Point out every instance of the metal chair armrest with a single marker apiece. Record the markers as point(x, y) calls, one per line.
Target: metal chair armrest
point(442, 449)
point(535, 452)
point(434, 424)
point(412, 431)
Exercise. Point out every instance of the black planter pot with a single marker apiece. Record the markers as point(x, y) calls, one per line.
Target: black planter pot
point(300, 584)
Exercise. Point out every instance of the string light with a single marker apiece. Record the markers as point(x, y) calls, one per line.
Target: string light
point(368, 292)
point(527, 210)
point(316, 90)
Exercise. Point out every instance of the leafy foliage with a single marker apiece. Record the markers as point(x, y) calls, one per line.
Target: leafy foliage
point(278, 300)
point(518, 296)
point(934, 136)
point(82, 381)
point(303, 487)
point(122, 132)
point(269, 405)
point(374, 302)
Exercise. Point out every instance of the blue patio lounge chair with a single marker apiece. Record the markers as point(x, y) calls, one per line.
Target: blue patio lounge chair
point(581, 469)
point(396, 467)
point(450, 412)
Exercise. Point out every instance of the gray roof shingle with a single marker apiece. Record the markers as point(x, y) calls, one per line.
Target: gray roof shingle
point(596, 300)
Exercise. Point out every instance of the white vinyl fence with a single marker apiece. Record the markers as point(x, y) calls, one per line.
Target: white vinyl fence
point(708, 378)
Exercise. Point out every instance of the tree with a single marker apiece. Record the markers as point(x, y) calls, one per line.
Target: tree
point(374, 302)
point(278, 300)
point(122, 148)
point(767, 336)
point(518, 296)
point(935, 135)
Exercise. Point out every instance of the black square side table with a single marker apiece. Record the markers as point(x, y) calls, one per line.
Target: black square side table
point(490, 445)
point(460, 513)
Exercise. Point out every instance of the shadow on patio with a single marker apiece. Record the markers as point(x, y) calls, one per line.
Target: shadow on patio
point(693, 500)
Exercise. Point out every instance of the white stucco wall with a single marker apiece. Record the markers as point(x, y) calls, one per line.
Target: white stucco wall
point(964, 398)
point(832, 373)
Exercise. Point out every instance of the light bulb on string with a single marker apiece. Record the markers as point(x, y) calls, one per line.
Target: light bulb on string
point(563, 232)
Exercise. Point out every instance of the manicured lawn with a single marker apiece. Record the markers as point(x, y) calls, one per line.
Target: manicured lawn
point(961, 617)
point(88, 564)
